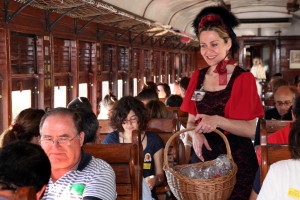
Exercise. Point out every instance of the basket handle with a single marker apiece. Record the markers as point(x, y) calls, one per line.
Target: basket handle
point(166, 163)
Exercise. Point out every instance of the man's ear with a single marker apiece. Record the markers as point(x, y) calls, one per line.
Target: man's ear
point(81, 138)
point(40, 193)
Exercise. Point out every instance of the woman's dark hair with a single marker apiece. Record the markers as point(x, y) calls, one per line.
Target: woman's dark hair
point(294, 139)
point(80, 102)
point(227, 19)
point(150, 85)
point(166, 88)
point(123, 107)
point(157, 109)
point(184, 82)
point(24, 164)
point(109, 100)
point(174, 100)
point(25, 126)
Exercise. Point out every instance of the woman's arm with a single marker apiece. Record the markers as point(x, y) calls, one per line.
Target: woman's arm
point(159, 177)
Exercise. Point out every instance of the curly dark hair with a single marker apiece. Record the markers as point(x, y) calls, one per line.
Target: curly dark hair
point(123, 107)
point(227, 18)
point(294, 139)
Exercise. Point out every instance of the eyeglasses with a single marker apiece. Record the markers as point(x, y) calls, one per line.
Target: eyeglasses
point(62, 141)
point(132, 119)
point(285, 103)
point(7, 186)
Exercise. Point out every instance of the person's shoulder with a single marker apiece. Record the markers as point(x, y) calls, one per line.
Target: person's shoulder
point(97, 164)
point(286, 164)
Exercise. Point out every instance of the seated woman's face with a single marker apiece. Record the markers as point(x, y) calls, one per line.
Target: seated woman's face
point(131, 122)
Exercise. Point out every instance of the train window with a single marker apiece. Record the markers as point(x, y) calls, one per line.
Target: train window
point(135, 87)
point(60, 96)
point(20, 101)
point(105, 88)
point(120, 88)
point(83, 90)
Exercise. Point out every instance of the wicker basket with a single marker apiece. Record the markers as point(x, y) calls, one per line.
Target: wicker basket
point(186, 188)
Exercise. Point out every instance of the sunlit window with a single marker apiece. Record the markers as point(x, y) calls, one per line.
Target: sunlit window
point(83, 90)
point(135, 87)
point(20, 101)
point(105, 88)
point(60, 96)
point(120, 88)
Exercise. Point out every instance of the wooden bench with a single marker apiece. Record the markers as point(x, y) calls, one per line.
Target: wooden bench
point(165, 128)
point(180, 115)
point(271, 153)
point(127, 162)
point(103, 130)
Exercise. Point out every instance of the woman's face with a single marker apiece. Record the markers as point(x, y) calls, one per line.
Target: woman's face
point(131, 122)
point(212, 47)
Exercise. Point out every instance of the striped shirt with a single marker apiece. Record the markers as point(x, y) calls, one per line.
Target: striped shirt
point(93, 179)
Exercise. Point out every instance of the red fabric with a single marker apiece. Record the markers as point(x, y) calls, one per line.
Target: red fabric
point(222, 71)
point(278, 137)
point(244, 103)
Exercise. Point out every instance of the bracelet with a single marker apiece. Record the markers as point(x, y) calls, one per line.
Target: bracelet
point(218, 124)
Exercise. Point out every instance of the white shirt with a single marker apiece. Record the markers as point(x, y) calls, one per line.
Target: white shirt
point(282, 181)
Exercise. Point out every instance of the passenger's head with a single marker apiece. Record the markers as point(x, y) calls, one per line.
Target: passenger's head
point(129, 114)
point(214, 26)
point(157, 109)
point(284, 98)
point(90, 124)
point(274, 78)
point(174, 101)
point(62, 137)
point(184, 83)
point(163, 90)
point(80, 102)
point(279, 82)
point(294, 139)
point(25, 127)
point(150, 85)
point(23, 164)
point(106, 105)
point(257, 61)
point(147, 95)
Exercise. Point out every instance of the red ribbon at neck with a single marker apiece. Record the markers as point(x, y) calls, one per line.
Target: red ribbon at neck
point(222, 71)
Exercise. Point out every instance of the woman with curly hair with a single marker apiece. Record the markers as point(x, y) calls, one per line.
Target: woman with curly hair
point(130, 114)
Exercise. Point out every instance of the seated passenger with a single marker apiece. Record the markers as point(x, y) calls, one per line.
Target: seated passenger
point(147, 95)
point(282, 180)
point(24, 127)
point(184, 83)
point(158, 109)
point(174, 100)
point(80, 102)
point(74, 174)
point(106, 106)
point(163, 90)
point(23, 164)
point(130, 114)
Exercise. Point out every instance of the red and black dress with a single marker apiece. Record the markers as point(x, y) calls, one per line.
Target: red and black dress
point(239, 100)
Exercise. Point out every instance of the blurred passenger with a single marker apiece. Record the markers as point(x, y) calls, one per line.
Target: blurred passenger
point(163, 90)
point(147, 95)
point(259, 73)
point(174, 100)
point(106, 106)
point(150, 85)
point(80, 102)
point(157, 109)
point(184, 83)
point(284, 98)
point(24, 127)
point(130, 114)
point(23, 164)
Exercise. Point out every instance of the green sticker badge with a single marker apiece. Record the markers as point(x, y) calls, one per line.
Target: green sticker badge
point(77, 188)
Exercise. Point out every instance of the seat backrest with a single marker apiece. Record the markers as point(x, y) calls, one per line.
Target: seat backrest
point(180, 115)
point(25, 193)
point(271, 153)
point(127, 162)
point(275, 125)
point(103, 130)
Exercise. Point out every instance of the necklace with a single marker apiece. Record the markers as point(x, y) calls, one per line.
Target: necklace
point(142, 138)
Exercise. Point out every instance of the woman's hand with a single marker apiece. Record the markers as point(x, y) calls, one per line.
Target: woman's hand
point(207, 123)
point(150, 180)
point(198, 141)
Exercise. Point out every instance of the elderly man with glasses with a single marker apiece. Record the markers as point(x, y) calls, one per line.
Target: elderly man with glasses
point(284, 98)
point(74, 174)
